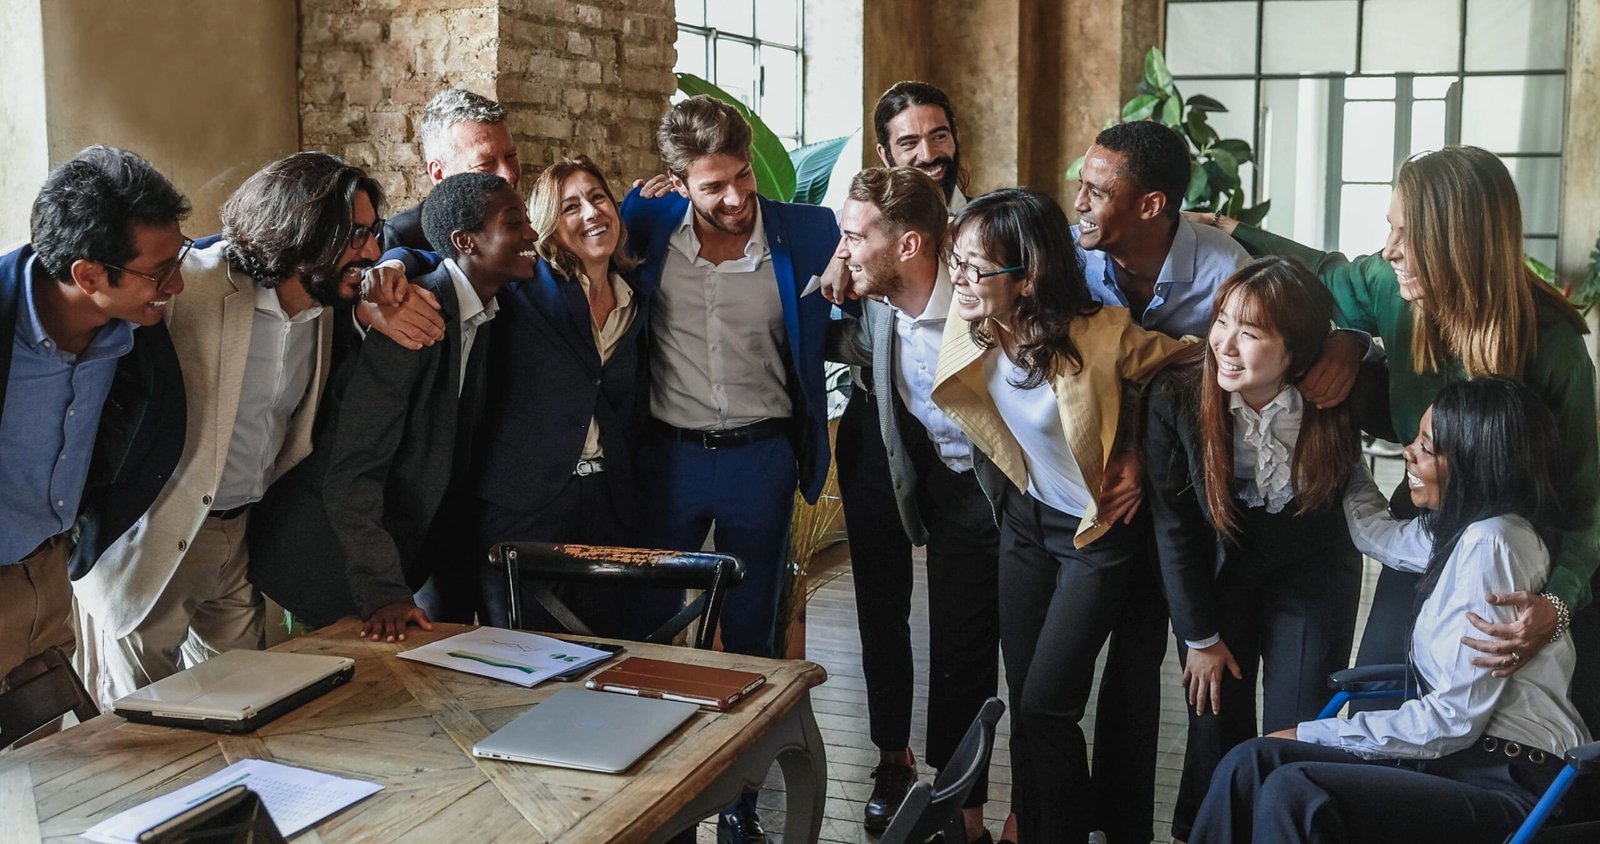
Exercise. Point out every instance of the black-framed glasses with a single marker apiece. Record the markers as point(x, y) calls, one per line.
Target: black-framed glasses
point(161, 280)
point(360, 234)
point(970, 272)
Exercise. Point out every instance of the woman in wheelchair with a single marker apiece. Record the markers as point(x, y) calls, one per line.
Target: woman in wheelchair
point(1466, 759)
point(1245, 484)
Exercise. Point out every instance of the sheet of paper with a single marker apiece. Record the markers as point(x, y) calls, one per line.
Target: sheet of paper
point(510, 655)
point(296, 798)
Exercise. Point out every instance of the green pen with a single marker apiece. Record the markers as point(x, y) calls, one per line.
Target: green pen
point(489, 660)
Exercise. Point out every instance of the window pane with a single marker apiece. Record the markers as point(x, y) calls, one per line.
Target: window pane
point(1362, 227)
point(1376, 88)
point(692, 12)
point(1516, 34)
point(734, 16)
point(691, 54)
point(1432, 87)
point(1539, 188)
point(1541, 248)
point(780, 90)
point(778, 20)
point(1410, 35)
point(1210, 38)
point(1427, 126)
point(1240, 98)
point(1294, 156)
point(736, 70)
point(1309, 36)
point(1513, 113)
point(1368, 142)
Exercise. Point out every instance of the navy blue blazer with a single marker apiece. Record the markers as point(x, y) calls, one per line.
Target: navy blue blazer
point(142, 425)
point(802, 239)
point(548, 383)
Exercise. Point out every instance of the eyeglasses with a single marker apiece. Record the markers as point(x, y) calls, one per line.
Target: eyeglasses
point(360, 234)
point(161, 280)
point(970, 273)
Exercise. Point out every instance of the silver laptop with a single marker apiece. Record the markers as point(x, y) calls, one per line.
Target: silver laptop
point(590, 731)
point(236, 691)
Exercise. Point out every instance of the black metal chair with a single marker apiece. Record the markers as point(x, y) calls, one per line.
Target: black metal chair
point(933, 810)
point(1379, 681)
point(43, 697)
point(532, 567)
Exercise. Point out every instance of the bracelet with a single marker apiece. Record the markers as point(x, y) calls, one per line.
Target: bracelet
point(1563, 615)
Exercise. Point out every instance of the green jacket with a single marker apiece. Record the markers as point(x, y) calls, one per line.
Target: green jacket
point(1367, 297)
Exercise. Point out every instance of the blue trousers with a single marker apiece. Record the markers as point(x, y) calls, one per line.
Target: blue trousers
point(744, 496)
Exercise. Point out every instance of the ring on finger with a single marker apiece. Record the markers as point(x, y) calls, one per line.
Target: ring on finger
point(1516, 658)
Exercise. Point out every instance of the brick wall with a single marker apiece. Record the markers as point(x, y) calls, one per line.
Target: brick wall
point(576, 77)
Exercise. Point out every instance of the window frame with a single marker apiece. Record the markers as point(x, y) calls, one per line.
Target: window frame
point(758, 74)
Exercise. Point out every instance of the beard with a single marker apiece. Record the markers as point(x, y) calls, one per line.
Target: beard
point(952, 172)
point(328, 287)
point(881, 280)
point(718, 222)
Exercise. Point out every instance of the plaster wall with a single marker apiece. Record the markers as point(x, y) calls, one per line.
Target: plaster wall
point(22, 117)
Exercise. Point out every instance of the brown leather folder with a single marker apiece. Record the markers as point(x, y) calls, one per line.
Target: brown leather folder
point(712, 688)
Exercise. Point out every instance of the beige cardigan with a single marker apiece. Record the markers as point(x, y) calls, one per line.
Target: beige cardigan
point(1090, 401)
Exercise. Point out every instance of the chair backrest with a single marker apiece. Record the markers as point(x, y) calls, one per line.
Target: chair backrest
point(45, 696)
point(931, 810)
point(531, 567)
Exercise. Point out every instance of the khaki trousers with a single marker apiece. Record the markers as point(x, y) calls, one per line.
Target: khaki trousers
point(35, 607)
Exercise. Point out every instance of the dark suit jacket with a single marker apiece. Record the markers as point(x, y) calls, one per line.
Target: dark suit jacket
point(802, 239)
point(142, 425)
point(548, 384)
point(404, 230)
point(352, 528)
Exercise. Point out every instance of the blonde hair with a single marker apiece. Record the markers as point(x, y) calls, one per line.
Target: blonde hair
point(544, 208)
point(1464, 241)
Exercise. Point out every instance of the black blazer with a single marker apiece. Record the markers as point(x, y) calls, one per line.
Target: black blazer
point(549, 383)
point(345, 531)
point(404, 230)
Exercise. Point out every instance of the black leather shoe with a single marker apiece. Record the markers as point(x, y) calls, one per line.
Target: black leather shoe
point(740, 826)
point(890, 784)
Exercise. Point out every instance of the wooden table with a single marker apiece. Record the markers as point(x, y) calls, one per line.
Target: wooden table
point(411, 727)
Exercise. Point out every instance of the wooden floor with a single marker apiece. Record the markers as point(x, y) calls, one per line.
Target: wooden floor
point(833, 641)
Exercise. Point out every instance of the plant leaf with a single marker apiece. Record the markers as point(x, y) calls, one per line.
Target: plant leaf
point(1172, 112)
point(1224, 159)
point(1253, 215)
point(1240, 150)
point(1140, 107)
point(1155, 69)
point(1199, 130)
point(1199, 191)
point(1205, 103)
point(770, 161)
point(1221, 181)
point(813, 165)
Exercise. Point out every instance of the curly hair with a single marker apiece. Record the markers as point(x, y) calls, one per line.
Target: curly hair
point(89, 206)
point(294, 217)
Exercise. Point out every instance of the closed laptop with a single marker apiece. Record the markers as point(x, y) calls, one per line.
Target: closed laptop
point(235, 691)
point(586, 730)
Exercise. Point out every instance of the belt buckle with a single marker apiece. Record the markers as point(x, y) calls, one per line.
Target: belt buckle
point(585, 468)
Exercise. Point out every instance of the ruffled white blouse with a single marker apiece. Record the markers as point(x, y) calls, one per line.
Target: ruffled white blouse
point(1263, 448)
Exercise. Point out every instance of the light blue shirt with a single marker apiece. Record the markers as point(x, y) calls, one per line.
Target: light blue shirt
point(1200, 260)
point(48, 425)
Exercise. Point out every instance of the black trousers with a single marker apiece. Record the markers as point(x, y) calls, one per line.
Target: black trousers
point(1058, 606)
point(1287, 598)
point(963, 602)
point(1284, 791)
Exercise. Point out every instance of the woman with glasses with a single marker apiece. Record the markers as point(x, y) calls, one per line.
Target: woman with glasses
point(1245, 483)
point(1466, 759)
point(1034, 371)
point(1452, 297)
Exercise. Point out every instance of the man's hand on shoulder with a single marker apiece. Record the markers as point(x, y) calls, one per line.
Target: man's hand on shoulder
point(658, 186)
point(396, 308)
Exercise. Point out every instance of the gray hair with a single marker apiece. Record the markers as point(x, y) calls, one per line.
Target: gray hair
point(448, 108)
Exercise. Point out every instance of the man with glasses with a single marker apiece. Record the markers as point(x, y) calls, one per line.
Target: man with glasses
point(254, 335)
point(103, 261)
point(893, 223)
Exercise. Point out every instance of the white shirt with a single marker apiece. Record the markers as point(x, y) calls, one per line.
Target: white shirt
point(473, 314)
point(1500, 554)
point(1263, 448)
point(720, 349)
point(1034, 419)
point(276, 375)
point(918, 339)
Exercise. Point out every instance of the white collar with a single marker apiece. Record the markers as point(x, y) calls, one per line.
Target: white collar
point(688, 241)
point(938, 306)
point(267, 300)
point(473, 310)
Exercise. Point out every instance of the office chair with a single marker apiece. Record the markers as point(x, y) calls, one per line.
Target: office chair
point(1375, 681)
point(531, 568)
point(930, 811)
point(51, 693)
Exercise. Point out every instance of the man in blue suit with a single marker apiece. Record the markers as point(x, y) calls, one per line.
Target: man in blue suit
point(737, 401)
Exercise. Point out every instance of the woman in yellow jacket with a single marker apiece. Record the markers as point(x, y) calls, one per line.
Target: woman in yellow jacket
point(1034, 370)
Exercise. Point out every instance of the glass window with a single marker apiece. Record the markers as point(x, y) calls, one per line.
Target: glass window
point(1308, 36)
point(734, 16)
point(1392, 39)
point(736, 71)
point(1516, 35)
point(778, 21)
point(780, 90)
point(1513, 113)
point(1538, 182)
point(1210, 38)
point(691, 53)
point(755, 54)
point(1368, 142)
point(1362, 223)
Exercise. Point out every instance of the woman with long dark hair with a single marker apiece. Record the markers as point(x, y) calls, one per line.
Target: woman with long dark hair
point(1466, 759)
point(1452, 297)
point(1033, 370)
point(1245, 483)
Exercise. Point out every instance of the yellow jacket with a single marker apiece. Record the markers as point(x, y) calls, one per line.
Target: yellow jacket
point(1090, 401)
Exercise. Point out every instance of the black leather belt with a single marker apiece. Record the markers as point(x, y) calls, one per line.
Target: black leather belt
point(726, 437)
point(1518, 752)
point(230, 513)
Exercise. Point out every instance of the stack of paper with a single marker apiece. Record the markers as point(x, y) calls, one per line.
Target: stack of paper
point(295, 798)
point(509, 655)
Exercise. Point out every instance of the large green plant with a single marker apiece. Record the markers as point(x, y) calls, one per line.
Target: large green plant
point(1214, 183)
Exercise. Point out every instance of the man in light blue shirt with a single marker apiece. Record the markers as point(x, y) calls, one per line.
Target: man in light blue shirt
point(103, 260)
